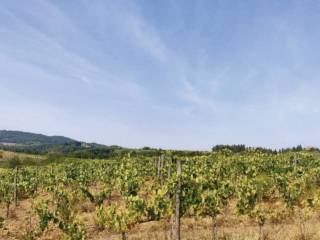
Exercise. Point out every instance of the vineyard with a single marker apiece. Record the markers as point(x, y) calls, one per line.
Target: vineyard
point(251, 194)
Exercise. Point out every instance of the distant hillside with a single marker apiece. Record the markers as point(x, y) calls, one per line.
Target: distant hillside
point(25, 138)
point(33, 143)
point(24, 142)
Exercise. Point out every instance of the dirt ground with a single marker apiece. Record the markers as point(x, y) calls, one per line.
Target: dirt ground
point(230, 226)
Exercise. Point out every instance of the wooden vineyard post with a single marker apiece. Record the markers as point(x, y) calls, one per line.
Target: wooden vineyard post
point(155, 163)
point(15, 187)
point(159, 170)
point(214, 227)
point(178, 193)
point(158, 167)
point(161, 167)
point(123, 236)
point(169, 167)
point(171, 216)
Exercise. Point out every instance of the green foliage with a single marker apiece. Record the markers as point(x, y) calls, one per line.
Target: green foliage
point(132, 189)
point(136, 208)
point(247, 195)
point(1, 222)
point(6, 190)
point(63, 217)
point(159, 204)
point(45, 217)
point(101, 218)
point(120, 218)
point(233, 148)
point(117, 219)
point(75, 231)
point(14, 162)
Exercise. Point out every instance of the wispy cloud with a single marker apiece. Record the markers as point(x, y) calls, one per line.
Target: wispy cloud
point(52, 58)
point(146, 37)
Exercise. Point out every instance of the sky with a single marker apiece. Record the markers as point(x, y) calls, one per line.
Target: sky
point(183, 74)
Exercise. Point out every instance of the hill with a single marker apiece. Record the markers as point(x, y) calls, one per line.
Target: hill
point(26, 138)
point(33, 143)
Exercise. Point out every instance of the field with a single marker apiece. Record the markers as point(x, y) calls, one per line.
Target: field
point(252, 194)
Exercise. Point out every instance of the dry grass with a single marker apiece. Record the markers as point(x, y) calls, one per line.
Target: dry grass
point(230, 226)
point(8, 155)
point(192, 229)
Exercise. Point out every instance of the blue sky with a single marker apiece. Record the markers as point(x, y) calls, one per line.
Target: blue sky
point(162, 73)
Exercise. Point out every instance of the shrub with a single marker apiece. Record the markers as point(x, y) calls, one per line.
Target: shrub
point(14, 162)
